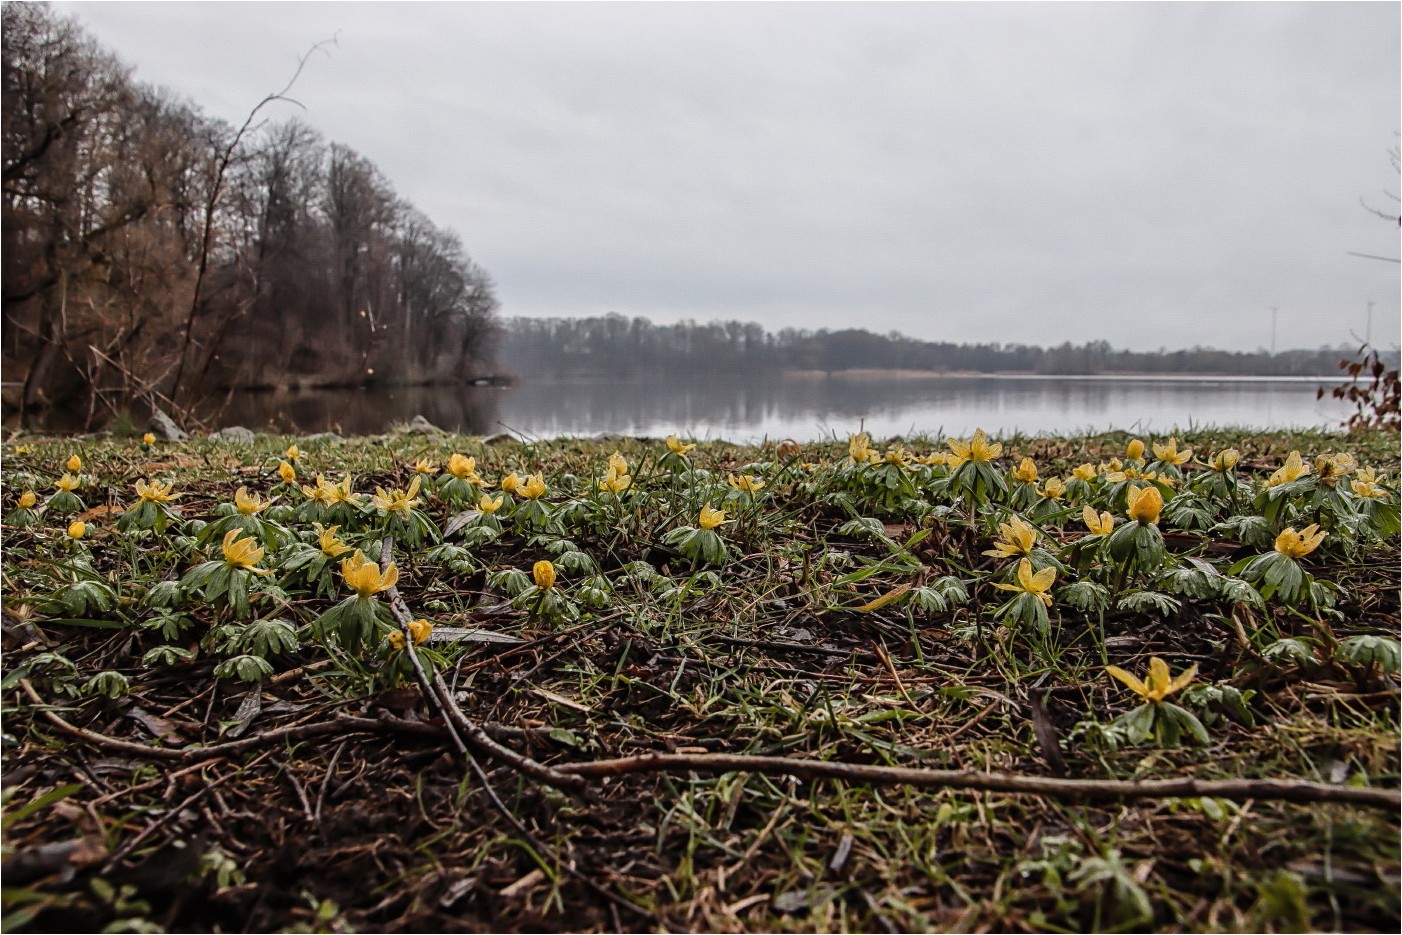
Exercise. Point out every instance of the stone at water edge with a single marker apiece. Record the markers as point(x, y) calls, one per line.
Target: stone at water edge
point(164, 427)
point(421, 426)
point(236, 434)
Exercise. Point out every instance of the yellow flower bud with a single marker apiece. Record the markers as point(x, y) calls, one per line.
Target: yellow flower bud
point(1026, 472)
point(27, 500)
point(420, 630)
point(461, 467)
point(489, 505)
point(287, 472)
point(1145, 504)
point(148, 439)
point(77, 529)
point(544, 574)
point(1226, 459)
point(676, 446)
point(1134, 450)
point(74, 465)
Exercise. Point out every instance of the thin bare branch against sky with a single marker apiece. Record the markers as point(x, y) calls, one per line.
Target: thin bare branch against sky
point(1150, 174)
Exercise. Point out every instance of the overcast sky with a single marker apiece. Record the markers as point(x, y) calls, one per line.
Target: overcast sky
point(1149, 174)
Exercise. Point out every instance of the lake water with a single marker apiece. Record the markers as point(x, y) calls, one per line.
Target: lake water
point(807, 407)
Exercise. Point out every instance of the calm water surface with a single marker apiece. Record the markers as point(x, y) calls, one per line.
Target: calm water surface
point(809, 407)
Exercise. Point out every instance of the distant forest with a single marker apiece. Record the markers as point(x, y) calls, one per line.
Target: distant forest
point(621, 346)
point(152, 251)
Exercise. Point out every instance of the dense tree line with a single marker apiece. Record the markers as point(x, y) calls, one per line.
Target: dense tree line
point(151, 251)
point(620, 346)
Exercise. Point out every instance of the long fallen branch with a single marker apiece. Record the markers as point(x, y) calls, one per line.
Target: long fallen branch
point(441, 697)
point(340, 724)
point(1238, 790)
point(462, 728)
point(1284, 790)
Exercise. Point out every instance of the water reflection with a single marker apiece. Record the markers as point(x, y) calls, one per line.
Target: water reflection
point(806, 407)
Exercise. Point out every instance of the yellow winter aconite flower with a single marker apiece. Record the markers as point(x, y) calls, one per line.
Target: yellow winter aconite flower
point(978, 448)
point(27, 500)
point(292, 453)
point(544, 574)
point(1019, 538)
point(709, 518)
point(615, 482)
point(1054, 488)
point(287, 472)
point(1084, 472)
point(77, 529)
point(67, 482)
point(148, 439)
point(1144, 504)
point(859, 448)
point(898, 456)
point(1332, 467)
point(1368, 490)
point(1037, 584)
point(341, 492)
point(1026, 471)
point(322, 492)
point(247, 503)
point(331, 546)
point(425, 466)
point(1158, 685)
point(1099, 523)
point(534, 487)
point(365, 577)
point(936, 458)
point(746, 482)
point(395, 638)
point(155, 491)
point(1226, 459)
point(488, 505)
point(1134, 450)
point(243, 553)
point(676, 446)
point(420, 630)
point(1293, 469)
point(395, 500)
point(1168, 453)
point(511, 482)
point(74, 465)
point(618, 464)
point(1294, 544)
point(460, 467)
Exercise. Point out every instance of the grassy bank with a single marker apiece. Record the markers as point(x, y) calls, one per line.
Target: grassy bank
point(217, 717)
